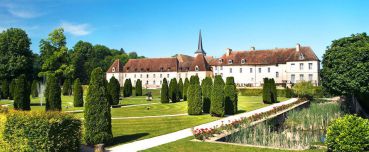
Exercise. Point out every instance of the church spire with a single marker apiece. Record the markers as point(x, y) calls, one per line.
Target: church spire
point(200, 50)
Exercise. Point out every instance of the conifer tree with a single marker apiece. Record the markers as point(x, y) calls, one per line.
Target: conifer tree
point(114, 90)
point(67, 91)
point(231, 97)
point(206, 87)
point(5, 89)
point(130, 87)
point(138, 87)
point(34, 89)
point(173, 90)
point(194, 97)
point(12, 87)
point(164, 92)
point(217, 97)
point(21, 94)
point(97, 111)
point(266, 91)
point(185, 89)
point(180, 88)
point(77, 93)
point(52, 94)
point(273, 91)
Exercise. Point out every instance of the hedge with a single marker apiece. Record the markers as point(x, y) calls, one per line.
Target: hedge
point(173, 90)
point(77, 93)
point(206, 87)
point(194, 106)
point(217, 97)
point(259, 92)
point(186, 84)
point(21, 94)
point(39, 131)
point(114, 91)
point(164, 93)
point(231, 97)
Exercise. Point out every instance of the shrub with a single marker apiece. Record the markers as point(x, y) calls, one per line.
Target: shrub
point(304, 89)
point(217, 97)
point(164, 92)
point(67, 91)
point(138, 87)
point(77, 94)
point(97, 111)
point(231, 97)
point(173, 90)
point(21, 94)
point(185, 89)
point(207, 84)
point(289, 93)
point(41, 131)
point(349, 133)
point(127, 88)
point(114, 91)
point(267, 98)
point(273, 90)
point(180, 89)
point(52, 94)
point(5, 89)
point(12, 87)
point(34, 89)
point(194, 106)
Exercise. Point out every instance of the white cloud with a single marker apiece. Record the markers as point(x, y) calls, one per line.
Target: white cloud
point(76, 29)
point(23, 13)
point(20, 10)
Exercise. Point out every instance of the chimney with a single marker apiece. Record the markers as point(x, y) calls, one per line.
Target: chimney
point(252, 48)
point(228, 51)
point(298, 46)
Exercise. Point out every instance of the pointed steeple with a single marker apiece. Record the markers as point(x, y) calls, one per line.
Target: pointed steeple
point(200, 50)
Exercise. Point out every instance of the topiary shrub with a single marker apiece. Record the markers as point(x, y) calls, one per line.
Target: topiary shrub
point(114, 91)
point(12, 87)
point(164, 93)
point(206, 86)
point(97, 111)
point(180, 89)
point(77, 93)
point(267, 97)
point(67, 91)
point(349, 133)
point(40, 131)
point(273, 90)
point(173, 90)
point(185, 89)
point(21, 94)
point(127, 88)
point(194, 106)
point(52, 94)
point(231, 97)
point(5, 89)
point(34, 89)
point(217, 97)
point(138, 87)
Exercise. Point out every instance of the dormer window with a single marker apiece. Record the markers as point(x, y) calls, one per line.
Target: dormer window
point(161, 69)
point(230, 61)
point(127, 69)
point(301, 57)
point(220, 60)
point(147, 69)
point(135, 69)
point(196, 68)
point(113, 69)
point(243, 61)
point(168, 69)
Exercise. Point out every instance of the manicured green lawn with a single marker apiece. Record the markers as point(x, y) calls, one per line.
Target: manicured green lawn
point(186, 145)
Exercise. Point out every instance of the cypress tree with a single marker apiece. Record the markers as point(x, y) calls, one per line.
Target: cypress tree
point(130, 87)
point(180, 89)
point(97, 111)
point(67, 91)
point(5, 89)
point(127, 88)
point(52, 94)
point(206, 87)
point(273, 91)
point(114, 89)
point(12, 87)
point(77, 93)
point(138, 87)
point(217, 97)
point(231, 97)
point(194, 106)
point(164, 92)
point(21, 94)
point(266, 91)
point(185, 89)
point(34, 89)
point(173, 90)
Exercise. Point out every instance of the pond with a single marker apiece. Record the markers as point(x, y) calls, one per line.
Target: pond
point(296, 129)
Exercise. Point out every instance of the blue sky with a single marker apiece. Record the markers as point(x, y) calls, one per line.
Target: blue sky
point(160, 28)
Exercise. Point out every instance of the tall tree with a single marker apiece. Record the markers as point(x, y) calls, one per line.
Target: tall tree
point(97, 111)
point(217, 97)
point(16, 57)
point(185, 89)
point(21, 94)
point(207, 85)
point(266, 91)
point(164, 93)
point(12, 87)
point(194, 106)
point(34, 89)
point(67, 87)
point(82, 52)
point(138, 87)
point(77, 93)
point(231, 98)
point(114, 90)
point(52, 94)
point(5, 89)
point(180, 88)
point(173, 90)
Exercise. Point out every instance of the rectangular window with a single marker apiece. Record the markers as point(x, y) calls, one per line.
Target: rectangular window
point(147, 75)
point(167, 75)
point(276, 74)
point(292, 78)
point(292, 66)
point(240, 70)
point(268, 70)
point(250, 70)
point(230, 70)
point(154, 75)
point(221, 67)
point(140, 75)
point(161, 75)
point(301, 77)
point(310, 66)
point(259, 70)
point(301, 66)
point(161, 82)
point(310, 77)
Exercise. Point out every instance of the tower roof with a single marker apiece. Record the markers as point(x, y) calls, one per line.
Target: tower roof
point(199, 47)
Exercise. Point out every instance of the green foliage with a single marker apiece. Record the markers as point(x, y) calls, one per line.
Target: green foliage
point(21, 94)
point(77, 93)
point(41, 131)
point(180, 88)
point(114, 90)
point(138, 87)
point(289, 93)
point(185, 89)
point(349, 133)
point(173, 90)
point(127, 88)
point(273, 89)
point(12, 88)
point(217, 97)
point(16, 56)
point(67, 88)
point(52, 94)
point(97, 116)
point(194, 97)
point(231, 97)
point(304, 89)
point(34, 89)
point(5, 89)
point(269, 91)
point(164, 93)
point(207, 85)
